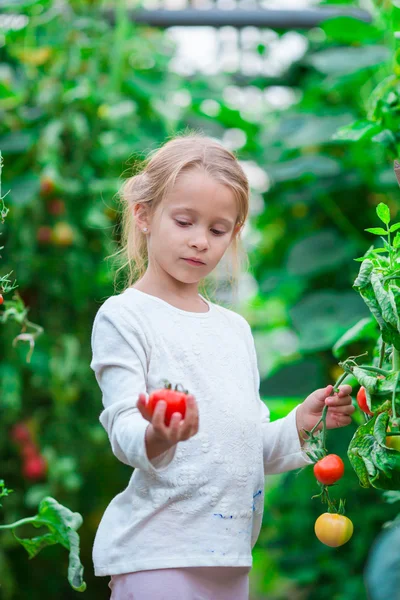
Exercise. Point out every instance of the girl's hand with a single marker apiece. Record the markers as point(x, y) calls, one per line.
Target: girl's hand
point(338, 415)
point(179, 429)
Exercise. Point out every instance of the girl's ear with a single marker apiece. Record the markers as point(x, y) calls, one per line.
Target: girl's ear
point(140, 214)
point(236, 229)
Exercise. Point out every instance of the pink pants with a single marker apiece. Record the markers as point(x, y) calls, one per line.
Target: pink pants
point(188, 583)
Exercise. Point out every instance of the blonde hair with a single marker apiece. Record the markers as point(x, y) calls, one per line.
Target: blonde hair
point(158, 175)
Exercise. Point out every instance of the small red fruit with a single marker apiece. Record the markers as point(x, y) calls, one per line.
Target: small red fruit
point(29, 450)
point(329, 469)
point(47, 186)
point(56, 207)
point(43, 234)
point(21, 434)
point(362, 399)
point(176, 402)
point(1, 299)
point(35, 467)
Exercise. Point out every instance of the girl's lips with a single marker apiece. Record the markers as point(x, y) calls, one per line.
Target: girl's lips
point(193, 262)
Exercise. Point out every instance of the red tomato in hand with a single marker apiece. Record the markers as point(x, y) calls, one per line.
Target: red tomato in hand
point(329, 469)
point(176, 402)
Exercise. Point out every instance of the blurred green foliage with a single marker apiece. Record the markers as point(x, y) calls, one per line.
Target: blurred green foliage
point(78, 99)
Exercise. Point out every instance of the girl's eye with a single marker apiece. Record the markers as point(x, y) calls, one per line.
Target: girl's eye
point(215, 231)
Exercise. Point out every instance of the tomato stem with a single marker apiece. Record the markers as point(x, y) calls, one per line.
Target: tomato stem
point(394, 390)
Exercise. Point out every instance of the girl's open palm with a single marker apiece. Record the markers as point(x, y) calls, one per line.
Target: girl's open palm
point(179, 429)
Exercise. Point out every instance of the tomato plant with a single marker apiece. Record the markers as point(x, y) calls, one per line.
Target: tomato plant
point(372, 458)
point(333, 529)
point(329, 469)
point(176, 401)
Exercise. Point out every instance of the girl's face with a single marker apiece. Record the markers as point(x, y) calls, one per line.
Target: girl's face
point(197, 219)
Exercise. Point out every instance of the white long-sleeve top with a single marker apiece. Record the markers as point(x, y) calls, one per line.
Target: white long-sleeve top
point(201, 502)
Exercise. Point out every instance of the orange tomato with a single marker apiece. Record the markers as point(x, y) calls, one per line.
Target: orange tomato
point(333, 529)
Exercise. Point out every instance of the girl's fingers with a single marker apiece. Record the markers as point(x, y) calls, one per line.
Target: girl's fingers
point(338, 401)
point(141, 405)
point(345, 390)
point(343, 411)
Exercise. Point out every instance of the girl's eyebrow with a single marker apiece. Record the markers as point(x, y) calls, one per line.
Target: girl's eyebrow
point(195, 212)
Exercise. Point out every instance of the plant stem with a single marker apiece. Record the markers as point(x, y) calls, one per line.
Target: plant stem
point(396, 360)
point(382, 354)
point(374, 369)
point(20, 522)
point(325, 409)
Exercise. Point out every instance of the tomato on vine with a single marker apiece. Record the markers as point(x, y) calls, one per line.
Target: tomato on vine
point(329, 469)
point(333, 529)
point(362, 399)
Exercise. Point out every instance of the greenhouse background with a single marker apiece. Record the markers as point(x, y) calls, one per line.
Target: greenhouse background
point(307, 95)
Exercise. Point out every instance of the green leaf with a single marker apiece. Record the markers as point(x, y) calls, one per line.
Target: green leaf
point(17, 141)
point(62, 524)
point(376, 464)
point(311, 166)
point(318, 252)
point(356, 131)
point(383, 212)
point(24, 190)
point(348, 30)
point(384, 305)
point(363, 331)
point(385, 138)
point(377, 230)
point(334, 61)
point(332, 314)
point(394, 227)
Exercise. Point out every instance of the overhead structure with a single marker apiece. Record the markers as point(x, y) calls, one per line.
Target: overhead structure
point(240, 17)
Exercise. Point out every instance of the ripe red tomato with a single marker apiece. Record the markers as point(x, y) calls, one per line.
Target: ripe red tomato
point(329, 469)
point(56, 207)
point(362, 401)
point(333, 529)
point(20, 433)
point(47, 186)
point(1, 299)
point(176, 402)
point(35, 467)
point(43, 234)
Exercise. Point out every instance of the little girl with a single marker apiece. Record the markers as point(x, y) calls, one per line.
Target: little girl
point(185, 526)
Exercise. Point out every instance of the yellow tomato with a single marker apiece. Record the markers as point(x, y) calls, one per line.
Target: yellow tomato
point(333, 529)
point(62, 234)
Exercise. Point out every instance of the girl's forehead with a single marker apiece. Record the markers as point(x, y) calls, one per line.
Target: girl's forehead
point(198, 187)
